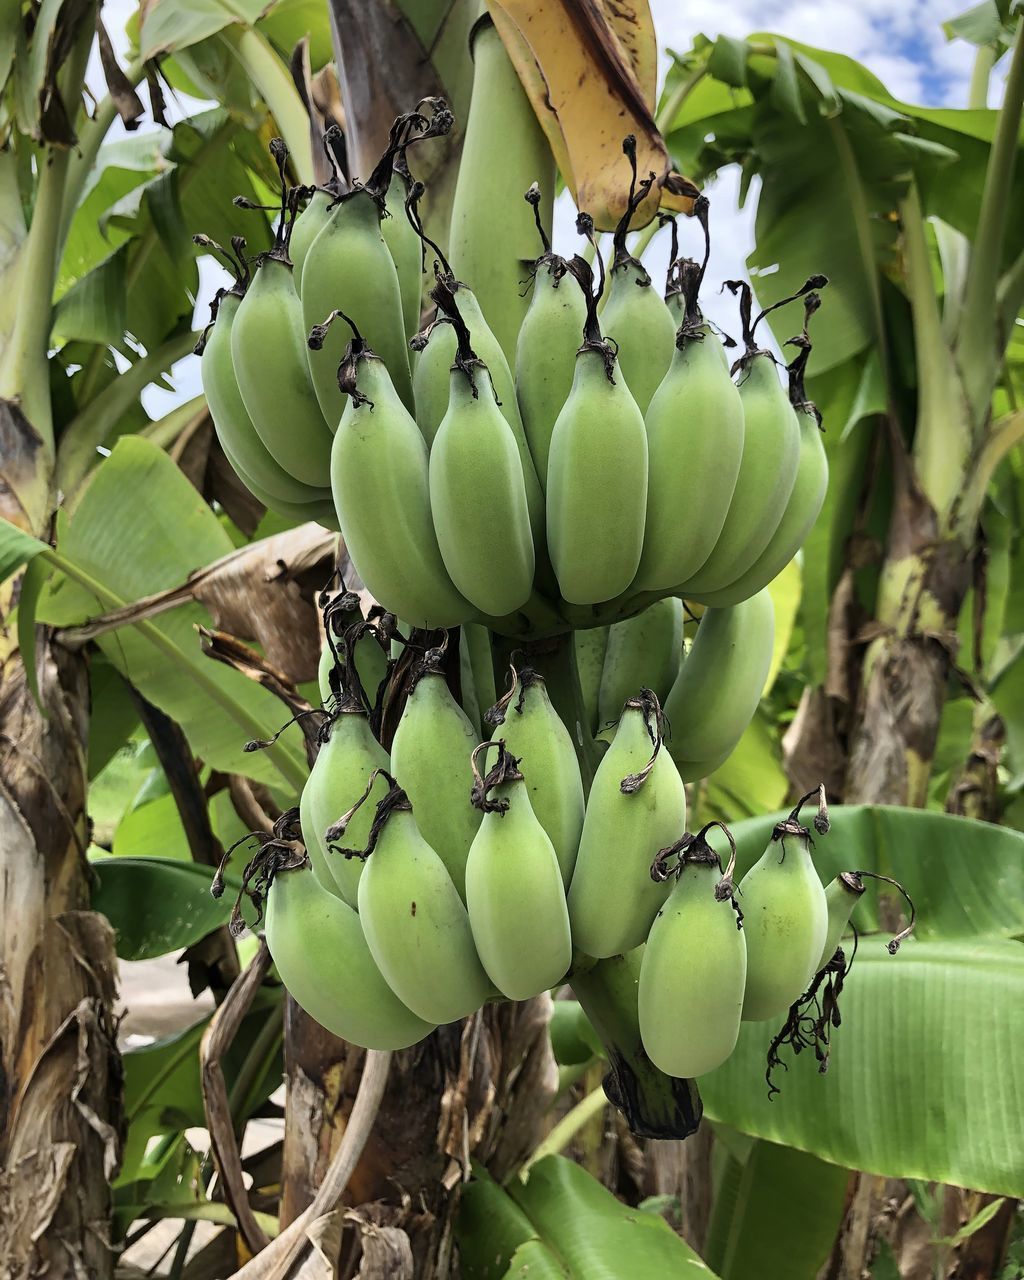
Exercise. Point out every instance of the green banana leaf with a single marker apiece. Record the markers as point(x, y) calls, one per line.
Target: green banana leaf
point(158, 905)
point(563, 1223)
point(132, 550)
point(966, 878)
point(775, 1215)
point(924, 1077)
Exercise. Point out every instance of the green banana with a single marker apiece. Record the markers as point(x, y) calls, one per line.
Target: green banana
point(590, 646)
point(721, 679)
point(371, 662)
point(430, 755)
point(548, 341)
point(635, 315)
point(767, 474)
point(320, 205)
point(268, 351)
point(384, 511)
point(697, 770)
point(805, 502)
point(478, 493)
point(841, 896)
point(785, 920)
point(438, 348)
point(348, 755)
point(644, 651)
point(350, 268)
point(476, 645)
point(533, 731)
point(694, 966)
point(415, 922)
point(317, 945)
point(320, 509)
point(469, 701)
point(238, 437)
point(597, 472)
point(637, 806)
point(695, 436)
point(503, 151)
point(400, 236)
point(514, 891)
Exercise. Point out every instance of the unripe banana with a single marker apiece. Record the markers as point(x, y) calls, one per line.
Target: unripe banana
point(432, 381)
point(476, 645)
point(694, 969)
point(785, 920)
point(404, 245)
point(317, 945)
point(238, 437)
point(637, 806)
point(643, 652)
point(597, 473)
point(721, 679)
point(350, 268)
point(468, 699)
point(697, 770)
point(533, 732)
point(384, 510)
point(514, 890)
point(430, 756)
point(308, 225)
point(841, 896)
point(478, 493)
point(767, 474)
point(320, 509)
point(590, 646)
point(268, 349)
point(546, 350)
point(808, 494)
point(504, 150)
point(695, 436)
point(348, 755)
point(371, 661)
point(414, 920)
point(635, 316)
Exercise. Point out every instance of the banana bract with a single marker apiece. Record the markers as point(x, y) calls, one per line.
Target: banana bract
point(349, 268)
point(338, 778)
point(692, 977)
point(695, 439)
point(596, 486)
point(785, 921)
point(516, 899)
point(380, 480)
point(478, 500)
point(268, 348)
point(533, 732)
point(317, 944)
point(721, 679)
point(612, 898)
point(430, 756)
point(643, 653)
point(417, 926)
point(546, 356)
point(771, 451)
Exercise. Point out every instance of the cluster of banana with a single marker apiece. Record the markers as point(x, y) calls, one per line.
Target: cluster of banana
point(451, 871)
point(614, 461)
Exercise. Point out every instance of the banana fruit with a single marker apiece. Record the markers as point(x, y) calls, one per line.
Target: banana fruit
point(642, 652)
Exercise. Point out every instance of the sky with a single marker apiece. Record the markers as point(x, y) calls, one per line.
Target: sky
point(901, 41)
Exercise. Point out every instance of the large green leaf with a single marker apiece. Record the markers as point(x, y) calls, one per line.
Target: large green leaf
point(132, 549)
point(565, 1223)
point(925, 1076)
point(16, 548)
point(965, 877)
point(169, 25)
point(157, 905)
point(782, 1216)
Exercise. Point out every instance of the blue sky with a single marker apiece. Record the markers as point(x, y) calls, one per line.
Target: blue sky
point(901, 41)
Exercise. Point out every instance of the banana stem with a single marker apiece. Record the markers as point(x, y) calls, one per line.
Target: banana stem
point(567, 1129)
point(655, 1105)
